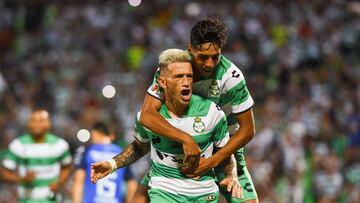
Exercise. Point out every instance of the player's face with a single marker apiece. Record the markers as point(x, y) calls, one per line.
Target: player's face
point(179, 82)
point(205, 58)
point(39, 123)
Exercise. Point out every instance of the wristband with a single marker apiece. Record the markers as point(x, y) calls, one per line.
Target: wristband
point(112, 163)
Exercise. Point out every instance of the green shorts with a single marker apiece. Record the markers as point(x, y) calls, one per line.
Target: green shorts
point(146, 179)
point(161, 196)
point(245, 182)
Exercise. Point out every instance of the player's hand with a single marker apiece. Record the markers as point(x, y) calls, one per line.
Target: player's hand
point(204, 166)
point(99, 170)
point(29, 177)
point(233, 186)
point(192, 154)
point(54, 187)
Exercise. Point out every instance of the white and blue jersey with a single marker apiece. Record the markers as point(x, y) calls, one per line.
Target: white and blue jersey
point(109, 189)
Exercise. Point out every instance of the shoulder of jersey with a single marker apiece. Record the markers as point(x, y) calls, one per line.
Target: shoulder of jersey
point(223, 66)
point(224, 63)
point(200, 99)
point(203, 102)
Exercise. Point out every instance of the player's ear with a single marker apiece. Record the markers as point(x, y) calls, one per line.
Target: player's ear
point(162, 82)
point(48, 124)
point(188, 47)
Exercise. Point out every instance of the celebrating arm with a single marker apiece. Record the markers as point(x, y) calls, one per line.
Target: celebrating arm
point(150, 113)
point(129, 155)
point(239, 139)
point(133, 152)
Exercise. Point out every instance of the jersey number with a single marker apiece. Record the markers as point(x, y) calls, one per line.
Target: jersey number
point(107, 187)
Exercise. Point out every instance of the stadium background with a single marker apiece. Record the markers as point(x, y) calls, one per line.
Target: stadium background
point(301, 60)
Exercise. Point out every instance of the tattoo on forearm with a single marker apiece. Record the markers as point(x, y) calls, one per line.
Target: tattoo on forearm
point(131, 153)
point(230, 166)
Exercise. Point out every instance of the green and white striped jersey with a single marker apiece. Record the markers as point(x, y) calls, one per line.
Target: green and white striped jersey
point(227, 88)
point(207, 124)
point(44, 159)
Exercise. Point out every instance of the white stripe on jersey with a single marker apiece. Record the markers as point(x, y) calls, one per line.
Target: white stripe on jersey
point(34, 193)
point(37, 150)
point(9, 164)
point(66, 161)
point(187, 187)
point(141, 139)
point(232, 81)
point(243, 106)
point(222, 142)
point(41, 172)
point(233, 128)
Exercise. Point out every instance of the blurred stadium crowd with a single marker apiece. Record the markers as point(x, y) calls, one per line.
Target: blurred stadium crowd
point(301, 60)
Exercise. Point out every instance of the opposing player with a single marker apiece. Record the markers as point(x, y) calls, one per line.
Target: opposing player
point(216, 78)
point(199, 117)
point(111, 188)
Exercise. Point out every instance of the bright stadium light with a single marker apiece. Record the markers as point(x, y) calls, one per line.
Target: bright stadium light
point(193, 9)
point(109, 91)
point(83, 135)
point(134, 3)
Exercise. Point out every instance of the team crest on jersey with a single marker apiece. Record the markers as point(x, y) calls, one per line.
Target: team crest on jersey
point(214, 88)
point(198, 125)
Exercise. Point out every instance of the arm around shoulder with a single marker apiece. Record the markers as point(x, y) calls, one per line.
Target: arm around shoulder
point(239, 139)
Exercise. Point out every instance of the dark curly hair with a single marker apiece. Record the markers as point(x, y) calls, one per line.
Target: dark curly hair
point(101, 127)
point(208, 30)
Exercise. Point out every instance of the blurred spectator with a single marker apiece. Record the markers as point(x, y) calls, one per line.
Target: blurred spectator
point(300, 58)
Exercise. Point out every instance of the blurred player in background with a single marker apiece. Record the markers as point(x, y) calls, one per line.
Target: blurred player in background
point(38, 161)
point(200, 117)
point(216, 78)
point(110, 189)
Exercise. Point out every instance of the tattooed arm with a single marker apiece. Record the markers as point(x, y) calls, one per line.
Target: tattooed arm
point(231, 182)
point(131, 153)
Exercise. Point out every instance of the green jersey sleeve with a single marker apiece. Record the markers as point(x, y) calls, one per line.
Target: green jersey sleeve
point(236, 91)
point(140, 132)
point(155, 89)
point(11, 159)
point(65, 158)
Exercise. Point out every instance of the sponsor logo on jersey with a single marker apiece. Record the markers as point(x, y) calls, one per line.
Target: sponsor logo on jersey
point(210, 197)
point(198, 125)
point(155, 88)
point(214, 88)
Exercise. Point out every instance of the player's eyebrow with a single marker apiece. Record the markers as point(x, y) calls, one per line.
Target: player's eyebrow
point(209, 55)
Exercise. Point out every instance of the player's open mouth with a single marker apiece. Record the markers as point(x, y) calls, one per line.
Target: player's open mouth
point(208, 70)
point(186, 94)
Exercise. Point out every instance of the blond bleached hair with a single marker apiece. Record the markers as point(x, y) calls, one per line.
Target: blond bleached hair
point(170, 56)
